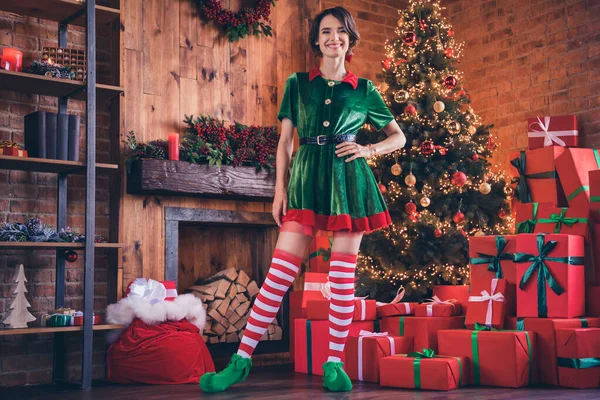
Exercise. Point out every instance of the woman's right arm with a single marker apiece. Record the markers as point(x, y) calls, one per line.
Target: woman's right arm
point(282, 164)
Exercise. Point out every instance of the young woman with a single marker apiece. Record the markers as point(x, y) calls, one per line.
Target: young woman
point(331, 188)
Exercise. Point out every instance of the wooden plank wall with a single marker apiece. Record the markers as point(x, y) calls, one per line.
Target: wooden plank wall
point(174, 64)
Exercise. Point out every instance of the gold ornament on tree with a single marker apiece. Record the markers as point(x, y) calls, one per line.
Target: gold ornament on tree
point(425, 202)
point(453, 127)
point(401, 96)
point(485, 188)
point(439, 106)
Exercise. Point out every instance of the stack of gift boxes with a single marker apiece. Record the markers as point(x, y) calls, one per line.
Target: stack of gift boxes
point(522, 321)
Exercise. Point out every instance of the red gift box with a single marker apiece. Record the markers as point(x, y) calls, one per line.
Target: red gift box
point(500, 358)
point(594, 182)
point(492, 257)
point(460, 293)
point(364, 352)
point(364, 310)
point(320, 252)
point(538, 180)
point(438, 308)
point(592, 301)
point(552, 131)
point(392, 310)
point(13, 151)
point(570, 221)
point(429, 373)
point(551, 276)
point(312, 343)
point(423, 329)
point(573, 168)
point(578, 352)
point(489, 306)
point(545, 330)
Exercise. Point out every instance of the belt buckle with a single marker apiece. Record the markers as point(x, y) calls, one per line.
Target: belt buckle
point(319, 140)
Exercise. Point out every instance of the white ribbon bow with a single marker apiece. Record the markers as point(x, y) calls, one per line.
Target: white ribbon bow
point(435, 300)
point(549, 136)
point(363, 334)
point(485, 296)
point(150, 290)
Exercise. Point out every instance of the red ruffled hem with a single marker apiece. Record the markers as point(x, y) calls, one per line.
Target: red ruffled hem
point(342, 222)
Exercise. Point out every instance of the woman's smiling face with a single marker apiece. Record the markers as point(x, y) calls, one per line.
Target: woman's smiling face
point(333, 38)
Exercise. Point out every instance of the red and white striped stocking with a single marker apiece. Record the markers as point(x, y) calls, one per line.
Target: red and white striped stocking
point(284, 269)
point(341, 305)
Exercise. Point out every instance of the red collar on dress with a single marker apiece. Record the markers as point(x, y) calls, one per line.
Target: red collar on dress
point(349, 78)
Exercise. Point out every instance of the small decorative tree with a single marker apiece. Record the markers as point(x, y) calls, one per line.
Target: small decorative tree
point(19, 316)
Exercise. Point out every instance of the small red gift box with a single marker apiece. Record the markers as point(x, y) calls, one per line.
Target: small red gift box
point(312, 343)
point(460, 293)
point(535, 172)
point(500, 358)
point(438, 308)
point(320, 252)
point(552, 131)
point(551, 275)
point(594, 182)
point(492, 257)
point(570, 221)
point(364, 310)
point(364, 352)
point(489, 306)
point(392, 310)
point(424, 330)
point(578, 352)
point(412, 371)
point(592, 301)
point(13, 151)
point(573, 167)
point(545, 330)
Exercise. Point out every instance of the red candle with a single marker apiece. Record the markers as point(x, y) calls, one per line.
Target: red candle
point(12, 59)
point(174, 146)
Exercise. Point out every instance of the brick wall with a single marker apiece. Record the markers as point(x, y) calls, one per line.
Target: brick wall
point(28, 358)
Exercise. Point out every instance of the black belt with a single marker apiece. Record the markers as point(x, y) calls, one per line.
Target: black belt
point(322, 140)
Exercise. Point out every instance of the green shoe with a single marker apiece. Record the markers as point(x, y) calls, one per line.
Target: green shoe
point(236, 371)
point(335, 378)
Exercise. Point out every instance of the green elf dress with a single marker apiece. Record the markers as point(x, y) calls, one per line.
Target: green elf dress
point(325, 192)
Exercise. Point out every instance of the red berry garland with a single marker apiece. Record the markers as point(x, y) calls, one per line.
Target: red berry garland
point(237, 25)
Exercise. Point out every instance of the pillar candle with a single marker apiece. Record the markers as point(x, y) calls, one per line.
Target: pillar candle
point(173, 146)
point(12, 59)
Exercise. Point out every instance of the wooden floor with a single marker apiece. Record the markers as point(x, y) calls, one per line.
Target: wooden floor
point(282, 383)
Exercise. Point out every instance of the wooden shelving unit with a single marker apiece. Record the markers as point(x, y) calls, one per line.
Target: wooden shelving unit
point(87, 14)
point(53, 166)
point(36, 330)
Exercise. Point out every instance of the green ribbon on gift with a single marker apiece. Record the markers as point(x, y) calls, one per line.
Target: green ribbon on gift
point(578, 363)
point(560, 219)
point(495, 262)
point(538, 263)
point(475, 350)
point(401, 326)
point(585, 188)
point(309, 347)
point(429, 353)
point(325, 253)
point(528, 226)
point(522, 191)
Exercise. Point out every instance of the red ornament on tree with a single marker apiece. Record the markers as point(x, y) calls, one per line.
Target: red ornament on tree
point(71, 256)
point(449, 52)
point(409, 38)
point(410, 110)
point(410, 207)
point(382, 188)
point(502, 214)
point(459, 217)
point(427, 148)
point(458, 178)
point(475, 157)
point(387, 64)
point(450, 82)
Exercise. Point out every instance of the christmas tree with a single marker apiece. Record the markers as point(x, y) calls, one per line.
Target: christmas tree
point(441, 188)
point(19, 315)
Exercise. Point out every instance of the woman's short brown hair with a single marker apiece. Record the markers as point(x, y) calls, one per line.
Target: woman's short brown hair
point(345, 18)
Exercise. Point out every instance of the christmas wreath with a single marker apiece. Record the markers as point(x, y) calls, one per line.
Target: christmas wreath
point(238, 25)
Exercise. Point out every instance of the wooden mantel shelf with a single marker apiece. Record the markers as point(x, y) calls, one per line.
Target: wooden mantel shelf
point(180, 178)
